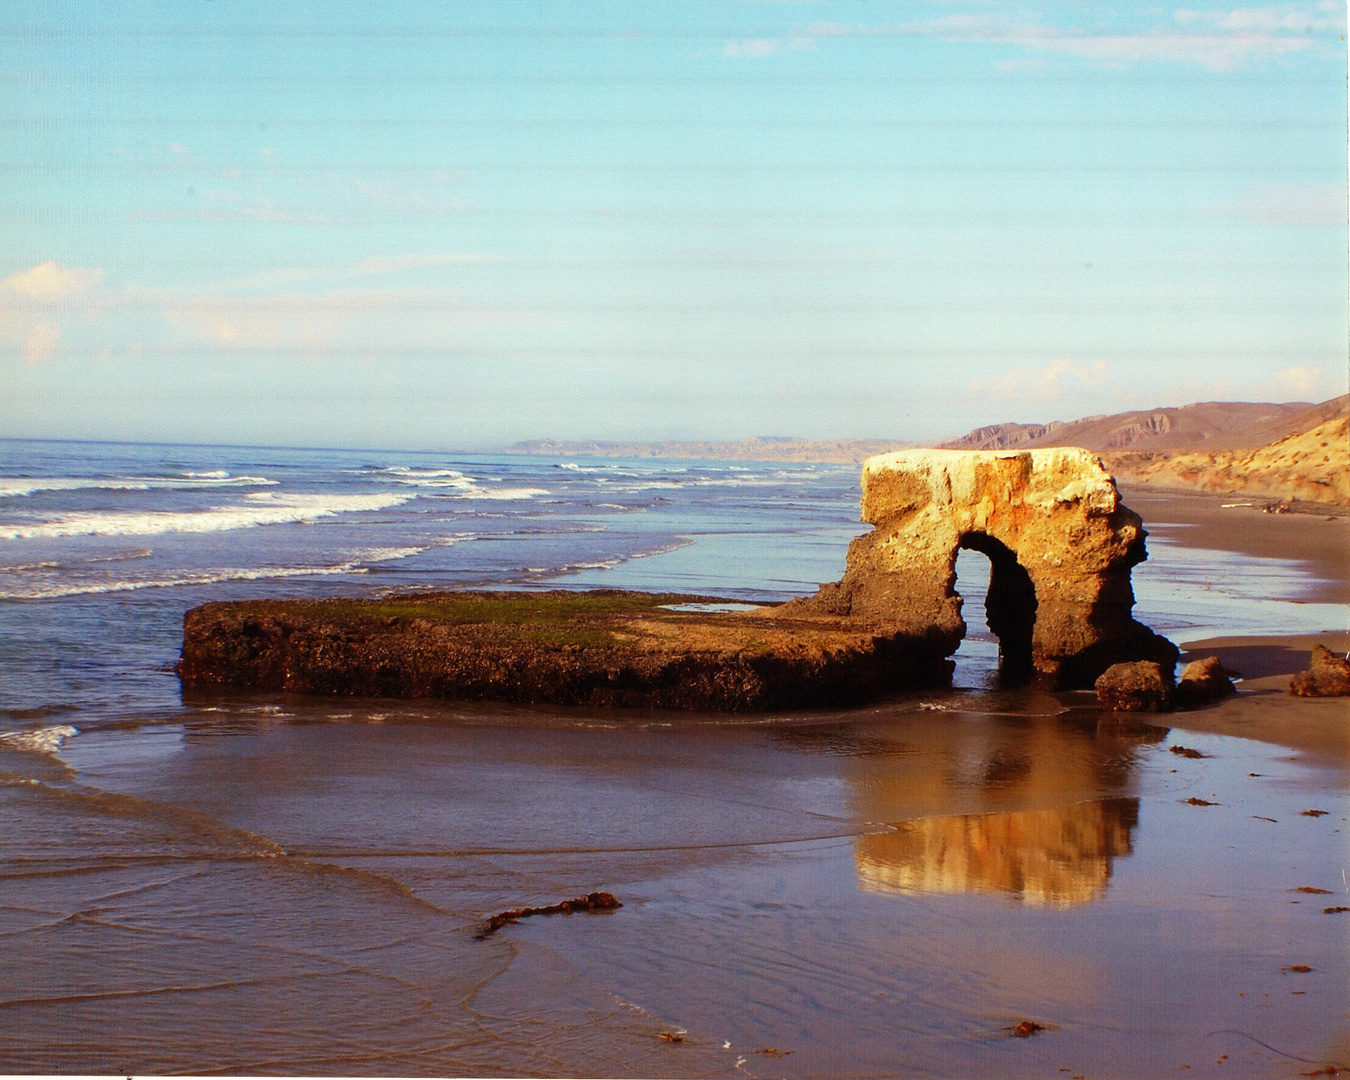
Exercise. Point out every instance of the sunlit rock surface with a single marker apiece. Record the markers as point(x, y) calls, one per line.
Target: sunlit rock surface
point(1060, 543)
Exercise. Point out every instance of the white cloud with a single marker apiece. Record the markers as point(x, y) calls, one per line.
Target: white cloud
point(1313, 205)
point(1053, 382)
point(31, 301)
point(1221, 40)
point(234, 206)
point(1216, 50)
point(1283, 18)
point(1304, 381)
point(40, 341)
point(50, 282)
point(753, 47)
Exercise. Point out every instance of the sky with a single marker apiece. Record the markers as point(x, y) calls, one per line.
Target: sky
point(456, 225)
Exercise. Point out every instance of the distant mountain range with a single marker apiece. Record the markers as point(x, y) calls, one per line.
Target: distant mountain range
point(1208, 426)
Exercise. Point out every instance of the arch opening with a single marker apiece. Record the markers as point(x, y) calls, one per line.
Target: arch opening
point(1009, 606)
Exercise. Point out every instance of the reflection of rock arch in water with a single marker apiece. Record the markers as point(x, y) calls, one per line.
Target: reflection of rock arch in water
point(1057, 857)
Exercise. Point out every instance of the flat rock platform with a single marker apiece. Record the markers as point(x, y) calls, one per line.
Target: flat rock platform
point(602, 648)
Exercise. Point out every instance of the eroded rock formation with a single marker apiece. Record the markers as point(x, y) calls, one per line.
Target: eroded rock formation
point(1060, 543)
point(605, 647)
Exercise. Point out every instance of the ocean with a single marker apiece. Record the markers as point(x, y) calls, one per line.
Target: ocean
point(261, 884)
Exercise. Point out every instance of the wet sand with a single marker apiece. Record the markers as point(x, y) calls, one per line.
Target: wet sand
point(1264, 709)
point(1321, 541)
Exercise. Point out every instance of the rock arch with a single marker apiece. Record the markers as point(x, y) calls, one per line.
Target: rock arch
point(1061, 547)
point(1010, 605)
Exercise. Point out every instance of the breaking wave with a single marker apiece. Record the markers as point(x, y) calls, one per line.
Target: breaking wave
point(47, 589)
point(18, 486)
point(45, 740)
point(263, 508)
point(455, 483)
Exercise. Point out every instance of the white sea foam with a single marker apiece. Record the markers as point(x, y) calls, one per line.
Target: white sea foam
point(46, 740)
point(390, 554)
point(17, 486)
point(46, 589)
point(458, 484)
point(50, 590)
point(43, 587)
point(503, 493)
point(259, 508)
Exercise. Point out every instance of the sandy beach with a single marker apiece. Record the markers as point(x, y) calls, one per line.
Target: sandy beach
point(1317, 539)
point(1264, 709)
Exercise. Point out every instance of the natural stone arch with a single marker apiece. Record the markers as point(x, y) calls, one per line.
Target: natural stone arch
point(1009, 605)
point(1056, 512)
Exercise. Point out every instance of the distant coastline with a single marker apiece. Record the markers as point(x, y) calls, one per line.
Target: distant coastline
point(1289, 451)
point(759, 448)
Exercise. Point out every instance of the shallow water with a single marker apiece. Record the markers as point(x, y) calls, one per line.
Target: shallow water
point(887, 891)
point(274, 885)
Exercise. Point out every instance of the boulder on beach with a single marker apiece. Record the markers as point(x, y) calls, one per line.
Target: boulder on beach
point(1203, 681)
point(1328, 675)
point(1138, 686)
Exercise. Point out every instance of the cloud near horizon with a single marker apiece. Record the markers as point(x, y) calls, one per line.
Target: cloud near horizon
point(51, 282)
point(1313, 205)
point(1220, 40)
point(31, 300)
point(1053, 382)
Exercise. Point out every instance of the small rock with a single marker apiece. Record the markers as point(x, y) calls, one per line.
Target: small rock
point(1140, 686)
point(1328, 675)
point(1203, 681)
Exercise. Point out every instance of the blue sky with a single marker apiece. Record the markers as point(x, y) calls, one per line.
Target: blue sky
point(461, 224)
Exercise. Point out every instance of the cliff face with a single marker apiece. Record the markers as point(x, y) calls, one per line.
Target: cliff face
point(1060, 544)
point(1310, 466)
point(605, 648)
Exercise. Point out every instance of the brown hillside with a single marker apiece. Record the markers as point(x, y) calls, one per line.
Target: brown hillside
point(1208, 426)
point(1310, 466)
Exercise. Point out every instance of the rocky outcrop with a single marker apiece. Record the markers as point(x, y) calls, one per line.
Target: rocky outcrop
point(1203, 681)
point(601, 648)
point(1144, 686)
point(1060, 543)
point(1140, 686)
point(1327, 675)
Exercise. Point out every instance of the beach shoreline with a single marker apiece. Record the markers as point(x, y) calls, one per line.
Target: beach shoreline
point(1264, 709)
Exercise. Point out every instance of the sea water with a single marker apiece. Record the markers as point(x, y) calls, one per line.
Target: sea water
point(265, 884)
